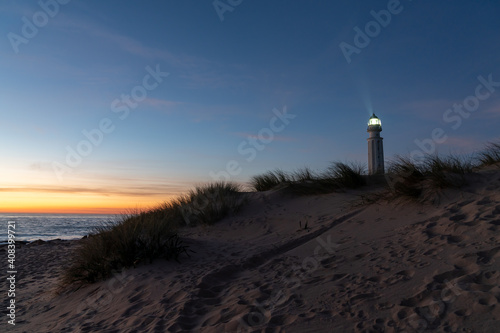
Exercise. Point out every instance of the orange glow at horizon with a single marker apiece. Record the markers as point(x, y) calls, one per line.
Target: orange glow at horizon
point(30, 202)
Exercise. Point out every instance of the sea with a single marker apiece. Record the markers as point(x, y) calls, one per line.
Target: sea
point(32, 227)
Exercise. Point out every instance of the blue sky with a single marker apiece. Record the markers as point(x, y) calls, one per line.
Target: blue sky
point(225, 79)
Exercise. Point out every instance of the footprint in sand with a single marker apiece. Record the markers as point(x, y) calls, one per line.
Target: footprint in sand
point(280, 320)
point(458, 217)
point(398, 277)
point(485, 257)
point(133, 309)
point(449, 275)
point(454, 239)
point(484, 201)
point(465, 203)
point(363, 297)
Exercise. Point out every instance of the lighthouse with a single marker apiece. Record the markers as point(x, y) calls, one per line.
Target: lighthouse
point(375, 146)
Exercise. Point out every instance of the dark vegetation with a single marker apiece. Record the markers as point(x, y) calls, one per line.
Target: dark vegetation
point(420, 180)
point(144, 236)
point(491, 154)
point(304, 181)
point(410, 179)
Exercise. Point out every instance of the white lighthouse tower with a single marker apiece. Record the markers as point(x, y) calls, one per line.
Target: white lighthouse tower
point(375, 146)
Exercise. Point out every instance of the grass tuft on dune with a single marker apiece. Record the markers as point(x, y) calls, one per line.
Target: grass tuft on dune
point(491, 154)
point(409, 179)
point(208, 204)
point(151, 234)
point(304, 181)
point(269, 180)
point(346, 175)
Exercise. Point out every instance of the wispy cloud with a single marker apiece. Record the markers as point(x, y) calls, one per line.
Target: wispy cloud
point(435, 108)
point(428, 109)
point(161, 104)
point(463, 143)
point(134, 191)
point(124, 43)
point(197, 71)
point(493, 110)
point(199, 112)
point(254, 136)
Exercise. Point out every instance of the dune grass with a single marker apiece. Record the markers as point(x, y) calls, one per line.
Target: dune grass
point(346, 175)
point(151, 234)
point(303, 175)
point(209, 203)
point(449, 171)
point(405, 177)
point(409, 179)
point(490, 155)
point(305, 181)
point(270, 180)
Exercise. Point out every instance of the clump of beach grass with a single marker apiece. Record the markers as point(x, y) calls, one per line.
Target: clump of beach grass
point(304, 175)
point(448, 171)
point(270, 179)
point(413, 180)
point(346, 175)
point(305, 181)
point(490, 155)
point(405, 177)
point(147, 235)
point(210, 203)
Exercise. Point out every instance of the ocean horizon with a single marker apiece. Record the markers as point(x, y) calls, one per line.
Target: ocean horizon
point(30, 227)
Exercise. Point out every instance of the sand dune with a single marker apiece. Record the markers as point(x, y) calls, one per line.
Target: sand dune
point(357, 267)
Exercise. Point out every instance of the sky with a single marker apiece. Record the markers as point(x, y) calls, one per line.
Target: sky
point(115, 105)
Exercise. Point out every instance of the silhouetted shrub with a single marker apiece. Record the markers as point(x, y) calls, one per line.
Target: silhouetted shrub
point(209, 203)
point(304, 181)
point(346, 175)
point(411, 179)
point(270, 180)
point(490, 155)
point(144, 236)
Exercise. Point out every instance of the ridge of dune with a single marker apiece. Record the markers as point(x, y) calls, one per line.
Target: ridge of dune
point(357, 267)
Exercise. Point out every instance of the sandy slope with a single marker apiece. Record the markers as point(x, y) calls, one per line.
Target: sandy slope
point(358, 267)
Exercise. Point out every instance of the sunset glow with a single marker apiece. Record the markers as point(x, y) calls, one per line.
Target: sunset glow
point(47, 201)
point(107, 107)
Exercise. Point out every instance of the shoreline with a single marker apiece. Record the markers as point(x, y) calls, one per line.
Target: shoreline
point(41, 241)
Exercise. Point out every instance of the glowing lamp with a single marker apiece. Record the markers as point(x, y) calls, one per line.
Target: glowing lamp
point(374, 121)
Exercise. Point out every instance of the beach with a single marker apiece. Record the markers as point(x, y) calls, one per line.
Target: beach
point(348, 261)
point(250, 166)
